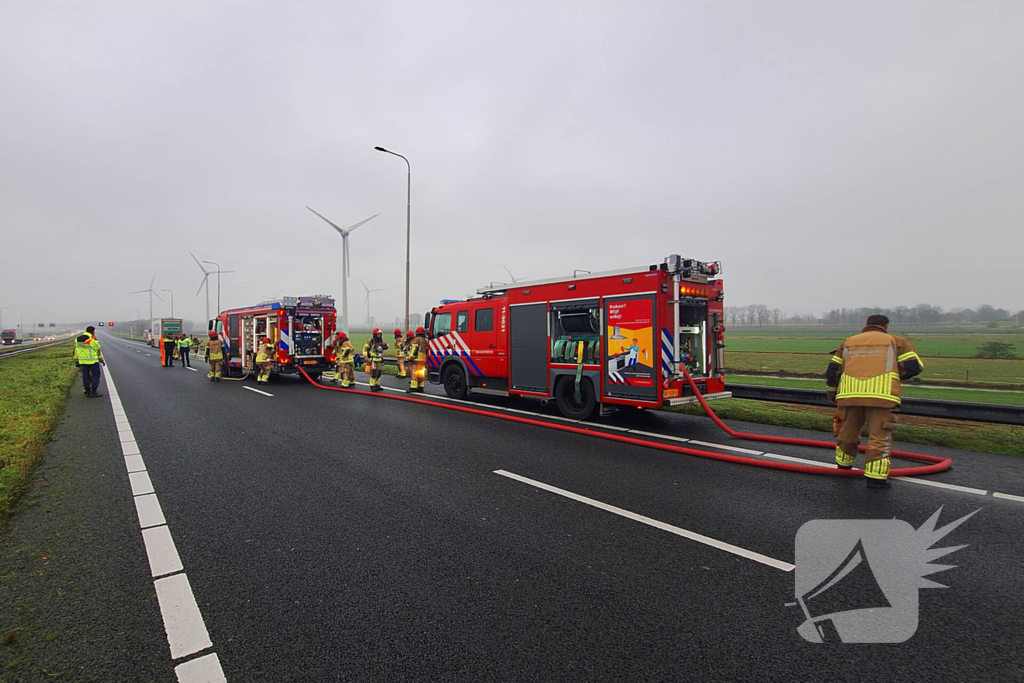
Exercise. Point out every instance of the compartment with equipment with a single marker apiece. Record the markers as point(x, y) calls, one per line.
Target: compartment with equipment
point(573, 322)
point(693, 337)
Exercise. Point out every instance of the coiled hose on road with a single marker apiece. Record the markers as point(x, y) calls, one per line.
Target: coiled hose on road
point(937, 464)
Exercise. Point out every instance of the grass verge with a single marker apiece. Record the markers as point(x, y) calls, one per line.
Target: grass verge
point(33, 389)
point(972, 436)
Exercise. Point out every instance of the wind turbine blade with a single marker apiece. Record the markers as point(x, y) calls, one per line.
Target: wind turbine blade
point(364, 285)
point(340, 230)
point(197, 262)
point(226, 271)
point(141, 291)
point(156, 295)
point(201, 284)
point(356, 225)
point(509, 273)
point(152, 281)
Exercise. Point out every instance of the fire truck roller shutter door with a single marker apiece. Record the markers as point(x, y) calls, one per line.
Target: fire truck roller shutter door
point(528, 347)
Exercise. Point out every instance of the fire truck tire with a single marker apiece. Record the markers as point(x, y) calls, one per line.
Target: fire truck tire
point(454, 381)
point(565, 398)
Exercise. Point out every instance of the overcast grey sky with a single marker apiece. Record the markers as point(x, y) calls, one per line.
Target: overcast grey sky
point(806, 145)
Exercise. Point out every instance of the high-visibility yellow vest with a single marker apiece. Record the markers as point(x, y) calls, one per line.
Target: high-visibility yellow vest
point(87, 352)
point(184, 343)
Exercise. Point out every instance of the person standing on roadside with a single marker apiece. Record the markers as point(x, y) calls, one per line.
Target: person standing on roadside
point(863, 380)
point(184, 348)
point(214, 356)
point(88, 356)
point(168, 343)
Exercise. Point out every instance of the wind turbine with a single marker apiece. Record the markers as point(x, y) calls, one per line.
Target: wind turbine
point(514, 279)
point(151, 295)
point(346, 264)
point(206, 281)
point(219, 271)
point(367, 300)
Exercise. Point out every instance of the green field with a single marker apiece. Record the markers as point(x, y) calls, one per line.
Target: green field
point(958, 346)
point(33, 389)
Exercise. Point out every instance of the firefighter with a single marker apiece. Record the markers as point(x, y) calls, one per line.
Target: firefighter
point(416, 352)
point(400, 352)
point(373, 350)
point(214, 356)
point(343, 355)
point(184, 348)
point(264, 361)
point(88, 357)
point(863, 381)
point(167, 343)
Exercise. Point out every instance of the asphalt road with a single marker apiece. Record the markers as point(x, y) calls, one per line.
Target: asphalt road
point(333, 536)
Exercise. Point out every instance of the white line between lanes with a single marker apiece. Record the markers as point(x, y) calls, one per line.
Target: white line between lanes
point(183, 622)
point(678, 531)
point(941, 485)
point(257, 391)
point(1008, 496)
point(193, 370)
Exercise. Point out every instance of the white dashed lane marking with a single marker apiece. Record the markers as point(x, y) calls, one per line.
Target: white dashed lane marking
point(257, 391)
point(678, 531)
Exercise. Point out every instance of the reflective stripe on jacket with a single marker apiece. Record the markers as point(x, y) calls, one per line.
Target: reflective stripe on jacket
point(87, 352)
point(374, 350)
point(266, 354)
point(867, 369)
point(417, 350)
point(215, 350)
point(345, 352)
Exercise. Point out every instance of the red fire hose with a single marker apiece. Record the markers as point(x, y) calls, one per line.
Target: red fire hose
point(940, 464)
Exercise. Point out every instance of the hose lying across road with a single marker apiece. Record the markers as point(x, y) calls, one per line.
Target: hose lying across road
point(937, 464)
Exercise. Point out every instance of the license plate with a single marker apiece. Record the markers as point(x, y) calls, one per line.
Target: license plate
point(671, 393)
point(309, 362)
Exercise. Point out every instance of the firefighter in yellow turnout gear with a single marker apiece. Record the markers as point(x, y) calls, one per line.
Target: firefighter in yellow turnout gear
point(214, 356)
point(345, 359)
point(265, 361)
point(416, 354)
point(400, 352)
point(863, 380)
point(373, 350)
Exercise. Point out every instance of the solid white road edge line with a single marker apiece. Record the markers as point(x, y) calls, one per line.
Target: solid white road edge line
point(183, 622)
point(693, 536)
point(257, 391)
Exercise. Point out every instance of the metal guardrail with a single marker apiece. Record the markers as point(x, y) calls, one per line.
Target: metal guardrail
point(923, 407)
point(38, 346)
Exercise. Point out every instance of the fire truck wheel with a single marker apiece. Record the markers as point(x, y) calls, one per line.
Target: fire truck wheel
point(454, 381)
point(565, 398)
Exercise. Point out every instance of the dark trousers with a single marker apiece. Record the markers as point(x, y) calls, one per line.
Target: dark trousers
point(184, 356)
point(169, 354)
point(90, 376)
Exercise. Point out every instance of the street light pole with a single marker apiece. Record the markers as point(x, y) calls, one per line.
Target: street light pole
point(172, 300)
point(408, 224)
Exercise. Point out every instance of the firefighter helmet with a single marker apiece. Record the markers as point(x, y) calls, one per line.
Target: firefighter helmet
point(398, 332)
point(266, 340)
point(420, 330)
point(409, 334)
point(213, 335)
point(377, 332)
point(342, 336)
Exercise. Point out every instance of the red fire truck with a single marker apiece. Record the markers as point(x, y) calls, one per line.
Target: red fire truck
point(603, 340)
point(300, 327)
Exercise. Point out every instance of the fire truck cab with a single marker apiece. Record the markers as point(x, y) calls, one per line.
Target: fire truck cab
point(593, 341)
point(300, 328)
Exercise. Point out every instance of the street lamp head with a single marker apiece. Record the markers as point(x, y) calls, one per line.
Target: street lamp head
point(380, 149)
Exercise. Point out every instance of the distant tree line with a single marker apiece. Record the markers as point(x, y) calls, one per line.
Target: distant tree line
point(760, 315)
